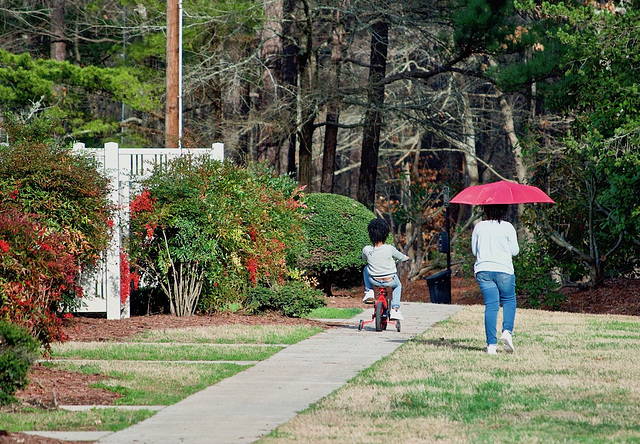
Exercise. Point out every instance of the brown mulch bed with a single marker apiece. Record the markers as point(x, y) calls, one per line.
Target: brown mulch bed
point(613, 296)
point(49, 388)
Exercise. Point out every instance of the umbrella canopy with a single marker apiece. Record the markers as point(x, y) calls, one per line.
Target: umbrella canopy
point(501, 192)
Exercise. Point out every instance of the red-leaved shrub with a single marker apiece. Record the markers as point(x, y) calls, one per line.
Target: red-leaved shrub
point(35, 271)
point(54, 221)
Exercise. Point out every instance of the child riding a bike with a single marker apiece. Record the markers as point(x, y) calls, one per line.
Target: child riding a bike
point(380, 270)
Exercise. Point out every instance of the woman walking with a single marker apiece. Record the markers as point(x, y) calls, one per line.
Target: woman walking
point(494, 242)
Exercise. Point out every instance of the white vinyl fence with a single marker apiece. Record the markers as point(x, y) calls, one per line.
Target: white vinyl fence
point(124, 167)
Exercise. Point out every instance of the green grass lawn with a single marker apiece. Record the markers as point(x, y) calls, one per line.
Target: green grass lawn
point(161, 352)
point(154, 368)
point(572, 378)
point(152, 383)
point(334, 313)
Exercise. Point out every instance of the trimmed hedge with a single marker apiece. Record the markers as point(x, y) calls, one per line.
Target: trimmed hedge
point(336, 230)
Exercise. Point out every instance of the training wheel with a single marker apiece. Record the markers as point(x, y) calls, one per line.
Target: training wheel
point(398, 325)
point(361, 324)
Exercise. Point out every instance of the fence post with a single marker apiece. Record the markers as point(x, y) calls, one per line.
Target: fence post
point(217, 151)
point(112, 170)
point(124, 211)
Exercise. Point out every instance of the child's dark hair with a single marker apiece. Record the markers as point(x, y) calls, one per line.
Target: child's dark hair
point(495, 212)
point(378, 230)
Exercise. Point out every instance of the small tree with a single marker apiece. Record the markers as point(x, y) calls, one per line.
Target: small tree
point(595, 223)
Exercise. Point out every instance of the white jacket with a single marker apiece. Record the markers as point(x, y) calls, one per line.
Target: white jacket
point(493, 244)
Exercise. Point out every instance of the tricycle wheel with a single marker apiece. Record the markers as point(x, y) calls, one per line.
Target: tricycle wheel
point(360, 324)
point(379, 316)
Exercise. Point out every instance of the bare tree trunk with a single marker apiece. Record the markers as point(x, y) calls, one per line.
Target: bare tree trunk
point(354, 175)
point(333, 111)
point(58, 37)
point(305, 172)
point(244, 139)
point(292, 170)
point(268, 146)
point(469, 140)
point(329, 150)
point(506, 110)
point(373, 116)
point(290, 53)
point(307, 112)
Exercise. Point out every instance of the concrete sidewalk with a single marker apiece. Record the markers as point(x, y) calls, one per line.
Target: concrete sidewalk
point(250, 404)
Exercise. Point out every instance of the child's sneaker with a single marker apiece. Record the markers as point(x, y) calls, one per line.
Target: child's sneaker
point(368, 297)
point(395, 314)
point(492, 349)
point(507, 341)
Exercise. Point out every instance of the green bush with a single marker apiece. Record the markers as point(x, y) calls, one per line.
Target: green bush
point(294, 299)
point(40, 177)
point(205, 228)
point(336, 231)
point(18, 350)
point(535, 285)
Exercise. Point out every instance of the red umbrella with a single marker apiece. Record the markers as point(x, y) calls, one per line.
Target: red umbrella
point(501, 192)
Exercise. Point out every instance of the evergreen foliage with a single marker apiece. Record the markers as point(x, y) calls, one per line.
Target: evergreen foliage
point(18, 350)
point(66, 90)
point(295, 299)
point(536, 287)
point(595, 221)
point(336, 231)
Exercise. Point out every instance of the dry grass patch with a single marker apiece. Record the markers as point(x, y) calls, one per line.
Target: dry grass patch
point(573, 378)
point(326, 426)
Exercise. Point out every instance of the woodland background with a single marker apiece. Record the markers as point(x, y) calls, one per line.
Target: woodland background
point(386, 102)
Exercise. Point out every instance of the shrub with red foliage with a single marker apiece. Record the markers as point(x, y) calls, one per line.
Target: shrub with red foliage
point(35, 271)
point(219, 227)
point(128, 280)
point(54, 220)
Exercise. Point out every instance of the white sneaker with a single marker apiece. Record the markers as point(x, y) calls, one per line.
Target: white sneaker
point(492, 349)
point(507, 341)
point(395, 314)
point(368, 297)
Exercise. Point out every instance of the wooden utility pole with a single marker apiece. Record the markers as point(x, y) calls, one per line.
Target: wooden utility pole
point(172, 115)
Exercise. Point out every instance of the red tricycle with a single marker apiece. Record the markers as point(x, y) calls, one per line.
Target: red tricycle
point(381, 312)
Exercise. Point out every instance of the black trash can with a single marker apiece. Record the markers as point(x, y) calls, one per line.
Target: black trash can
point(440, 287)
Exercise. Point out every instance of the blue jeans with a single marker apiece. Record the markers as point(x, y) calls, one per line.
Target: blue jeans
point(497, 288)
point(395, 284)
